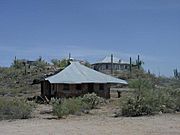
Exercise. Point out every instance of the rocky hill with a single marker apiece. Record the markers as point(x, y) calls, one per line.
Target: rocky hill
point(23, 82)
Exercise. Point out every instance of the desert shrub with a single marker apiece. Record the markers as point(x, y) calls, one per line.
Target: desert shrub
point(41, 64)
point(56, 62)
point(165, 101)
point(92, 100)
point(74, 105)
point(18, 64)
point(64, 107)
point(59, 109)
point(3, 91)
point(64, 63)
point(175, 93)
point(136, 106)
point(15, 109)
point(134, 74)
point(147, 99)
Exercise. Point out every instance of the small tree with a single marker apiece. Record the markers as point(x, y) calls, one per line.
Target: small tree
point(64, 63)
point(56, 62)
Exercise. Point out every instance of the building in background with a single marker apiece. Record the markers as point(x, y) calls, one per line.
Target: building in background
point(110, 63)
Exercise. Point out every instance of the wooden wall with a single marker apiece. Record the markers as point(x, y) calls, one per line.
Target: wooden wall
point(57, 90)
point(106, 67)
point(45, 89)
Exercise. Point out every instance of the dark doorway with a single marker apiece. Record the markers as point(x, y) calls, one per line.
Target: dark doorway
point(90, 87)
point(46, 89)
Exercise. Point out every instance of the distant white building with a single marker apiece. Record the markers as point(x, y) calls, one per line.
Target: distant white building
point(111, 63)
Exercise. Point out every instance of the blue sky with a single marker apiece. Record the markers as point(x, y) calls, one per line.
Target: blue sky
point(92, 29)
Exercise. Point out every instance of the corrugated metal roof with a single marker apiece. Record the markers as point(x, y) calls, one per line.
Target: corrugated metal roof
point(77, 73)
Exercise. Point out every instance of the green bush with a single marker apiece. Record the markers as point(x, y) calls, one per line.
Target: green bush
point(175, 93)
point(147, 99)
point(60, 110)
point(15, 109)
point(92, 100)
point(137, 106)
point(64, 107)
point(74, 105)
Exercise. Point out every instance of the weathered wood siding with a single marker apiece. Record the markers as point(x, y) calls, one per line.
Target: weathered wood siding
point(106, 67)
point(45, 89)
point(57, 90)
point(102, 92)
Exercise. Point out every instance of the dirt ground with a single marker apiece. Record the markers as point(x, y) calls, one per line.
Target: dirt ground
point(98, 122)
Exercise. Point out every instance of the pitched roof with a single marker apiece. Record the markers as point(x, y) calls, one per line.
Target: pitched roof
point(77, 73)
point(124, 62)
point(107, 59)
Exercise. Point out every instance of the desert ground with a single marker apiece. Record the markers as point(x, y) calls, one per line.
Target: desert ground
point(97, 122)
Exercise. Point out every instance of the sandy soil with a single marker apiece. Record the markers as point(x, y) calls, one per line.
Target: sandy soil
point(98, 122)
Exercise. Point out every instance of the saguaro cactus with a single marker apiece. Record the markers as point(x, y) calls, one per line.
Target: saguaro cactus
point(130, 68)
point(176, 74)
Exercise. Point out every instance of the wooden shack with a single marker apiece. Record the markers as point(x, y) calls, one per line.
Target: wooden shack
point(76, 80)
